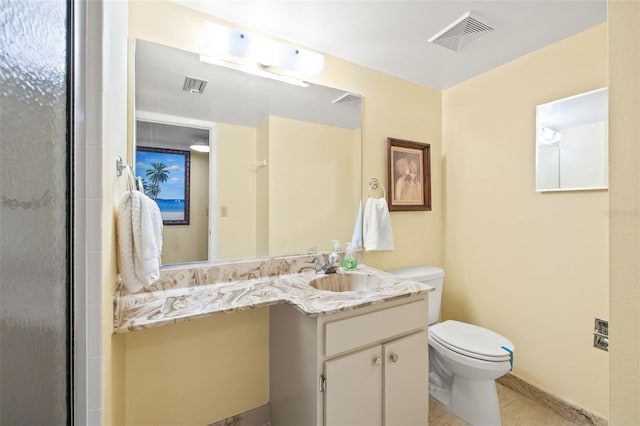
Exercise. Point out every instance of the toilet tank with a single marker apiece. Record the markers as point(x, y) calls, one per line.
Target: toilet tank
point(430, 275)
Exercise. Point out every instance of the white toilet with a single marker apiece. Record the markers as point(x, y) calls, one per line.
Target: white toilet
point(464, 359)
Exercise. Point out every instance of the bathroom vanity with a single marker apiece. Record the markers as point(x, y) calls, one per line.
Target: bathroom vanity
point(346, 348)
point(367, 366)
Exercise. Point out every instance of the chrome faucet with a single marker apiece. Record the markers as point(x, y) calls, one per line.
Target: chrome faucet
point(332, 265)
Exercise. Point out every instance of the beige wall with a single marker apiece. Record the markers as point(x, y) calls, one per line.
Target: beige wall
point(262, 190)
point(624, 154)
point(188, 243)
point(236, 190)
point(391, 107)
point(197, 372)
point(531, 266)
point(311, 175)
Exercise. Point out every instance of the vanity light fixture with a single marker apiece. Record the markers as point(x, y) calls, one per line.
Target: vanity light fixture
point(256, 54)
point(253, 71)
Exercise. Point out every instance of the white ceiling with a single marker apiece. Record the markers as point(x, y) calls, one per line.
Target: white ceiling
point(391, 35)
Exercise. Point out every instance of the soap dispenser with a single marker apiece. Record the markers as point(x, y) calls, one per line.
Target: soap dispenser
point(349, 263)
point(334, 257)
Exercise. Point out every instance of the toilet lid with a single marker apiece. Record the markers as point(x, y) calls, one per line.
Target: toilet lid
point(471, 340)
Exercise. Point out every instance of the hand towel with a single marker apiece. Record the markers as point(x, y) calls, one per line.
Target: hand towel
point(377, 225)
point(356, 238)
point(139, 240)
point(147, 237)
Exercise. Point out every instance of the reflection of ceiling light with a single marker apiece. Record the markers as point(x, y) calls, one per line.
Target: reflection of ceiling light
point(199, 147)
point(253, 71)
point(548, 136)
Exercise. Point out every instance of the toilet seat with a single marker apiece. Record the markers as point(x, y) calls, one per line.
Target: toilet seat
point(472, 341)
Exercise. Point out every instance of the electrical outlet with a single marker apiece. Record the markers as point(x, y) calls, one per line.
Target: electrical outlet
point(224, 211)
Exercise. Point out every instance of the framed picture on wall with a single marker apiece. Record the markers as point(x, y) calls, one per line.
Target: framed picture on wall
point(409, 175)
point(165, 178)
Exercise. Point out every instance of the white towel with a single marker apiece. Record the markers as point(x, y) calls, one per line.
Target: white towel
point(356, 238)
point(377, 225)
point(139, 240)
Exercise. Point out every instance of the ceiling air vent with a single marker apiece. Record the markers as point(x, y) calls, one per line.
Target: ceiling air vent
point(464, 30)
point(194, 85)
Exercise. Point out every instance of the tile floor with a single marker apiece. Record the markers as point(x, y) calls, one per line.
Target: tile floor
point(516, 410)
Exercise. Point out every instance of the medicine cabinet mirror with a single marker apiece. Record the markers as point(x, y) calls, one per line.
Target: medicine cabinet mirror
point(283, 174)
point(572, 143)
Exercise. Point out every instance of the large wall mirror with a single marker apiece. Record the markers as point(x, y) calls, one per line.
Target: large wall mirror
point(283, 171)
point(572, 143)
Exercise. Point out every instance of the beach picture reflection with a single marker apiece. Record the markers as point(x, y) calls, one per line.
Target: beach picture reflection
point(165, 176)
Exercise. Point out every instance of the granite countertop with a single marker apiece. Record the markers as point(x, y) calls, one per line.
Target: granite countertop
point(165, 306)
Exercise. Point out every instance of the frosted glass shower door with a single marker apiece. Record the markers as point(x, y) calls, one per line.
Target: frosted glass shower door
point(35, 360)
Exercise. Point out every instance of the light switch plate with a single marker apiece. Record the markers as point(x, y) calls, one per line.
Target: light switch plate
point(601, 334)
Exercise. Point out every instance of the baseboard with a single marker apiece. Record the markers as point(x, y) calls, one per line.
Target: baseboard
point(259, 416)
point(565, 409)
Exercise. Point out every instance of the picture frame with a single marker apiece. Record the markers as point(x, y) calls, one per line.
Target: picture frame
point(409, 175)
point(165, 176)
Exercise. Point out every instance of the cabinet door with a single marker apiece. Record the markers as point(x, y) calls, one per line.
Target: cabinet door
point(354, 389)
point(406, 381)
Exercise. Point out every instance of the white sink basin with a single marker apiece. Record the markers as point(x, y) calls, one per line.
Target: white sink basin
point(347, 282)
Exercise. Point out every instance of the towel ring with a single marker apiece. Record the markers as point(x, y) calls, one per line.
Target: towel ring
point(133, 182)
point(375, 184)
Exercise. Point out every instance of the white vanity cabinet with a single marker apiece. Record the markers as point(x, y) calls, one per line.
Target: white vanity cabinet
point(380, 382)
point(367, 366)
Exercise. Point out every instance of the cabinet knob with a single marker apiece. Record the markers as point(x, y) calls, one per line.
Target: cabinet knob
point(377, 361)
point(394, 357)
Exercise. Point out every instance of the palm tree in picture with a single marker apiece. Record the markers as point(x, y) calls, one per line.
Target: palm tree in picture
point(145, 185)
point(157, 174)
point(152, 191)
